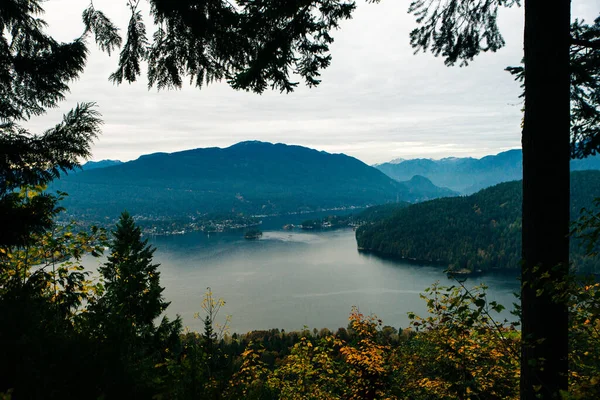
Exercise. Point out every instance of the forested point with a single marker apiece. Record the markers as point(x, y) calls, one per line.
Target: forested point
point(480, 232)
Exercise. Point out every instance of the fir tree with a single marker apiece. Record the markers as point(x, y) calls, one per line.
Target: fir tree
point(124, 318)
point(133, 290)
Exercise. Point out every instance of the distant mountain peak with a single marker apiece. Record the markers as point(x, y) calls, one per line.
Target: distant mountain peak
point(100, 164)
point(246, 143)
point(420, 178)
point(468, 175)
point(397, 160)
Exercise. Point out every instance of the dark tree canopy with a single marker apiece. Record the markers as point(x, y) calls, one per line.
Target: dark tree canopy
point(252, 44)
point(35, 71)
point(585, 88)
point(457, 30)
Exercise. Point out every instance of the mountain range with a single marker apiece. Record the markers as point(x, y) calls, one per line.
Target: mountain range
point(248, 177)
point(468, 175)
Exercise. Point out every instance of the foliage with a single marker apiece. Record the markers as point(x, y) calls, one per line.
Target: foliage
point(35, 70)
point(584, 335)
point(34, 74)
point(322, 366)
point(44, 295)
point(585, 88)
point(308, 372)
point(587, 229)
point(253, 45)
point(460, 351)
point(202, 367)
point(250, 381)
point(583, 299)
point(456, 29)
point(369, 361)
point(29, 162)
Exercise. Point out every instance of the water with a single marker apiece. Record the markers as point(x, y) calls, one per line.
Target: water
point(292, 279)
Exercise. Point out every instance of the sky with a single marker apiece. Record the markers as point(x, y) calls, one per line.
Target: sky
point(377, 101)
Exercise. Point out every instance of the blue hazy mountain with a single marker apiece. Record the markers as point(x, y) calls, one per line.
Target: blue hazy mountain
point(249, 177)
point(468, 175)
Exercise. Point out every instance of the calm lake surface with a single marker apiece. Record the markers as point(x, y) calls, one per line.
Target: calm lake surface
point(289, 279)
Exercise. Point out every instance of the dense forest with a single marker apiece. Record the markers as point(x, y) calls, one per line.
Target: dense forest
point(470, 233)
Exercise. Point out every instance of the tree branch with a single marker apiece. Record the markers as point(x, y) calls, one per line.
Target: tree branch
point(592, 44)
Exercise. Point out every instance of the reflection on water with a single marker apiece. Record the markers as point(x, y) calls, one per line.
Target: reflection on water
point(359, 291)
point(286, 236)
point(288, 279)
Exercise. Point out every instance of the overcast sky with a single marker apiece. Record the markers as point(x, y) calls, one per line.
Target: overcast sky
point(377, 100)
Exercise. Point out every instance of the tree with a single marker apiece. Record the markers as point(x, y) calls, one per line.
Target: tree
point(546, 174)
point(34, 74)
point(459, 350)
point(43, 288)
point(124, 317)
point(131, 280)
point(252, 44)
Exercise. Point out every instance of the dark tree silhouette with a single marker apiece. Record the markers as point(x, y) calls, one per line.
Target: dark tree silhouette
point(35, 71)
point(124, 317)
point(132, 280)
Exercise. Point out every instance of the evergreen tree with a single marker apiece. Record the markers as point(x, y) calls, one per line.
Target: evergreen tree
point(35, 71)
point(131, 279)
point(124, 318)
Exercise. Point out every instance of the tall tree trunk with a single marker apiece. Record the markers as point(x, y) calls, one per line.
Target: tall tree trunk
point(546, 189)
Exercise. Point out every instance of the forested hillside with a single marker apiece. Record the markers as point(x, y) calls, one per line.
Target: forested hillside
point(468, 175)
point(250, 177)
point(477, 232)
